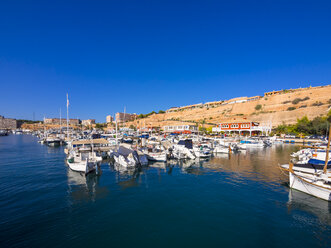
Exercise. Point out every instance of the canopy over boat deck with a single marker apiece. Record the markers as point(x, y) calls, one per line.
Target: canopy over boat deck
point(91, 141)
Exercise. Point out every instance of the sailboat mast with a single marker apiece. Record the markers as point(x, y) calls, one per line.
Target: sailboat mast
point(60, 122)
point(327, 153)
point(124, 117)
point(116, 130)
point(67, 117)
point(44, 126)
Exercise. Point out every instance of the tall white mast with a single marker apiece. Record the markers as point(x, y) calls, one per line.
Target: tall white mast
point(60, 122)
point(67, 117)
point(116, 131)
point(44, 127)
point(124, 117)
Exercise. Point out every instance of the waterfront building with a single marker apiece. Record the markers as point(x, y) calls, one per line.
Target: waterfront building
point(212, 104)
point(241, 127)
point(56, 121)
point(88, 122)
point(7, 123)
point(149, 129)
point(276, 92)
point(253, 98)
point(193, 106)
point(181, 129)
point(124, 117)
point(235, 100)
point(109, 119)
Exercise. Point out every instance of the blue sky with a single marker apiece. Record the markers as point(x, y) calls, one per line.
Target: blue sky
point(152, 55)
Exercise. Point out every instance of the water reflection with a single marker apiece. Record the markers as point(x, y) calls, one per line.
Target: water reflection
point(160, 165)
point(253, 165)
point(193, 166)
point(258, 163)
point(85, 188)
point(307, 203)
point(127, 177)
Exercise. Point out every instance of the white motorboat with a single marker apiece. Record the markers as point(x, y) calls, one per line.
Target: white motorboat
point(155, 154)
point(252, 143)
point(83, 161)
point(222, 149)
point(52, 141)
point(184, 149)
point(126, 157)
point(201, 151)
point(316, 185)
point(313, 182)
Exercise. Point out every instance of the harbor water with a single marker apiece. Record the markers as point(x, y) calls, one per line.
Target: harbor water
point(241, 200)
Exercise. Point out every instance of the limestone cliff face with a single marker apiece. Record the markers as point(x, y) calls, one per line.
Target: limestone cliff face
point(285, 106)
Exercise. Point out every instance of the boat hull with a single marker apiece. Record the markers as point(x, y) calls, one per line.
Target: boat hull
point(83, 166)
point(305, 184)
point(157, 157)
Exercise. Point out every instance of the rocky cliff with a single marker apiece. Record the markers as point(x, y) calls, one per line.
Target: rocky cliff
point(279, 107)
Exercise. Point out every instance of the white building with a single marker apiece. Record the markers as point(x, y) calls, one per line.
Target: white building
point(242, 127)
point(180, 129)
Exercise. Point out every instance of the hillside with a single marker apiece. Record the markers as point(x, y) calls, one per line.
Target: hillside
point(275, 107)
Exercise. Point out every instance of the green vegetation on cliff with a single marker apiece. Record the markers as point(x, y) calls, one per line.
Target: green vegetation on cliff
point(318, 126)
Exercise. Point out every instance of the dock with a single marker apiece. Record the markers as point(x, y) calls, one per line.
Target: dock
point(299, 141)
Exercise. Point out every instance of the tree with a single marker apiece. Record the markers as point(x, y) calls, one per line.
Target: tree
point(99, 125)
point(161, 112)
point(132, 127)
point(202, 129)
point(303, 125)
point(209, 129)
point(317, 126)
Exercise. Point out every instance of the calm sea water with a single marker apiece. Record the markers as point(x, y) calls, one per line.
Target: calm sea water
point(238, 201)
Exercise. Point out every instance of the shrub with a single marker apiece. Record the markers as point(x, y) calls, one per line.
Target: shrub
point(258, 107)
point(132, 127)
point(291, 108)
point(161, 112)
point(317, 103)
point(329, 101)
point(286, 102)
point(306, 98)
point(296, 100)
point(303, 106)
